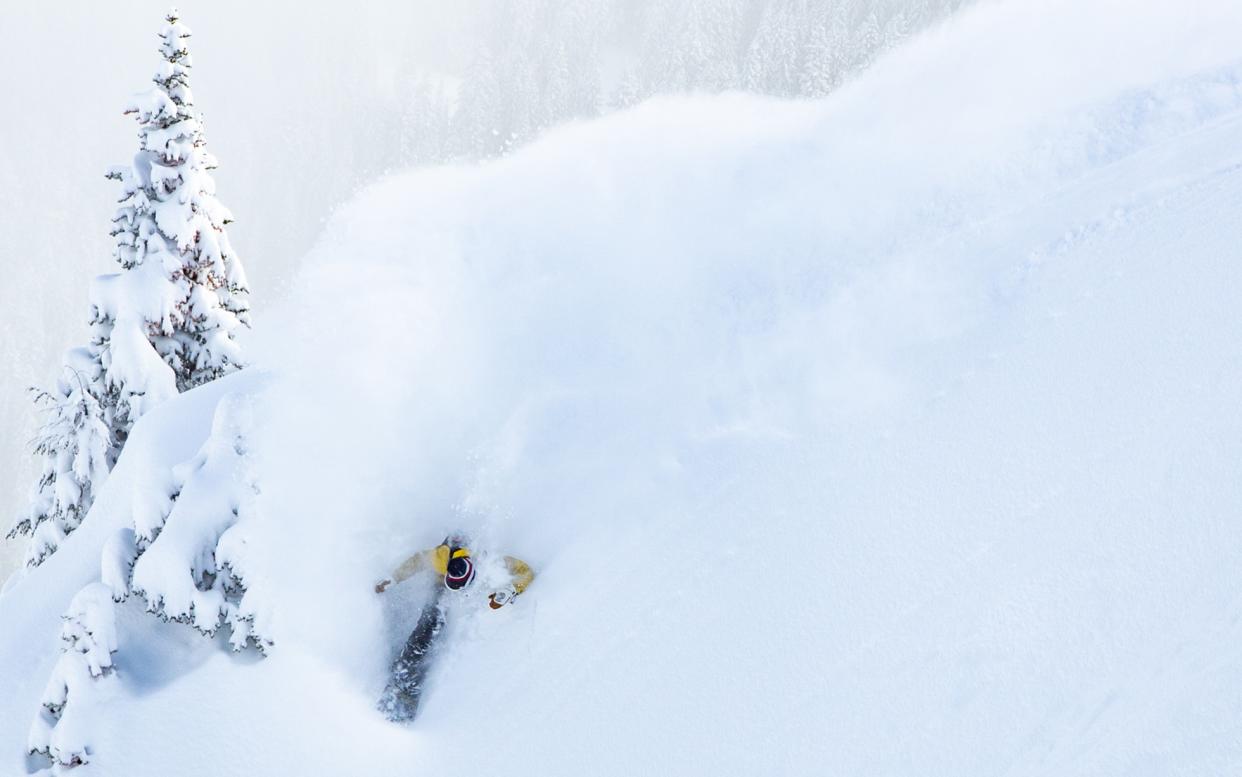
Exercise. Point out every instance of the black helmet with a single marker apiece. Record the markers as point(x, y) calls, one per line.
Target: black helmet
point(460, 569)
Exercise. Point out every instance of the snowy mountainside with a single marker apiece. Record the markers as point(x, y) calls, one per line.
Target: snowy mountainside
point(892, 433)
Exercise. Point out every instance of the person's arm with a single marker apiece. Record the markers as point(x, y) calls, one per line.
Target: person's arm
point(520, 575)
point(410, 567)
point(521, 572)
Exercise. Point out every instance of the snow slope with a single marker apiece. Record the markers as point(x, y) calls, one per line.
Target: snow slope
point(896, 433)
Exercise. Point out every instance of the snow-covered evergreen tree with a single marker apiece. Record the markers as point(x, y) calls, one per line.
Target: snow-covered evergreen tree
point(170, 221)
point(75, 444)
point(423, 129)
point(777, 53)
point(165, 323)
point(823, 70)
point(191, 563)
point(188, 557)
point(88, 640)
point(475, 123)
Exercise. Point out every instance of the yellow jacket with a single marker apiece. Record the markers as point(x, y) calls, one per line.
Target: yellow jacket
point(437, 559)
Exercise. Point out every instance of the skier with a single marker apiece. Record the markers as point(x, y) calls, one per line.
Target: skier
point(453, 563)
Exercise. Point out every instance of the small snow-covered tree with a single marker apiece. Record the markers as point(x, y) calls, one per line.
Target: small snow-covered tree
point(777, 51)
point(191, 564)
point(189, 560)
point(75, 444)
point(423, 127)
point(475, 123)
point(170, 224)
point(822, 71)
point(78, 687)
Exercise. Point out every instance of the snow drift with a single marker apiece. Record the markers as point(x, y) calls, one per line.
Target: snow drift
point(893, 433)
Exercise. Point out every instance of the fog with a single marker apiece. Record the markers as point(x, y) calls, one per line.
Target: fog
point(286, 95)
point(304, 108)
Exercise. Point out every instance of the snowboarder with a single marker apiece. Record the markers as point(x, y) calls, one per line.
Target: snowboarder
point(453, 563)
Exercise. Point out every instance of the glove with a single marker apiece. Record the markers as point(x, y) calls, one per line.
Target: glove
point(380, 586)
point(502, 597)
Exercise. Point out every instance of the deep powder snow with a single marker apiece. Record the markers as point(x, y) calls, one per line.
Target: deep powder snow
point(895, 433)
